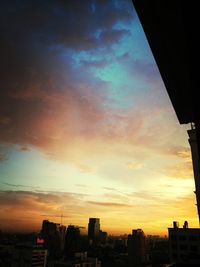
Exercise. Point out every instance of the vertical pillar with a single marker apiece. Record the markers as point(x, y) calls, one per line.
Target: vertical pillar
point(193, 141)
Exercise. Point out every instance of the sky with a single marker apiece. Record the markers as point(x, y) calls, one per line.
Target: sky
point(87, 126)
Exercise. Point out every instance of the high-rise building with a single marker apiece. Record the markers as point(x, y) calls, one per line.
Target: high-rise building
point(72, 241)
point(53, 238)
point(93, 229)
point(136, 248)
point(62, 232)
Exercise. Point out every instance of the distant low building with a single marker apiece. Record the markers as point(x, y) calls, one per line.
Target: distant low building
point(27, 256)
point(80, 260)
point(158, 250)
point(103, 236)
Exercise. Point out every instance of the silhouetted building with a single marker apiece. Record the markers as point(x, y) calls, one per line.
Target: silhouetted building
point(136, 248)
point(53, 238)
point(85, 261)
point(157, 250)
point(93, 229)
point(196, 164)
point(28, 256)
point(79, 260)
point(103, 237)
point(72, 241)
point(184, 244)
point(175, 48)
point(62, 231)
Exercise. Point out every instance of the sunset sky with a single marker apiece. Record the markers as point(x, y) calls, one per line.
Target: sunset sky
point(87, 127)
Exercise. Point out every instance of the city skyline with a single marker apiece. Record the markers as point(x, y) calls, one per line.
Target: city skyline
point(87, 127)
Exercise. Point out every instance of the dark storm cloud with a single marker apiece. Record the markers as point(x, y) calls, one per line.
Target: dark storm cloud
point(30, 27)
point(34, 36)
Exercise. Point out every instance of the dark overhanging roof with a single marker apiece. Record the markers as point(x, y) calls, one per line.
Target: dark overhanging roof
point(172, 30)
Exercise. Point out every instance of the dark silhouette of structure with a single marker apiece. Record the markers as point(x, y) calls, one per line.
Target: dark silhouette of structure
point(171, 27)
point(93, 230)
point(196, 164)
point(72, 241)
point(184, 245)
point(136, 248)
point(103, 236)
point(28, 255)
point(52, 233)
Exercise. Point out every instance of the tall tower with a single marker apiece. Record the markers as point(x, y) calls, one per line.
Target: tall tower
point(52, 238)
point(93, 229)
point(196, 164)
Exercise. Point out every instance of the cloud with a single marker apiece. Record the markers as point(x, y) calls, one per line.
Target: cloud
point(165, 209)
point(110, 204)
point(135, 165)
point(86, 168)
point(91, 64)
point(112, 36)
point(2, 157)
point(52, 23)
point(14, 185)
point(36, 200)
point(156, 201)
point(112, 189)
point(24, 148)
point(153, 200)
point(38, 75)
point(49, 99)
point(181, 170)
point(4, 120)
point(28, 206)
point(25, 210)
point(81, 185)
point(181, 152)
point(125, 56)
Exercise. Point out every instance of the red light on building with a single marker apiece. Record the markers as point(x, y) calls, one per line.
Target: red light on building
point(40, 240)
